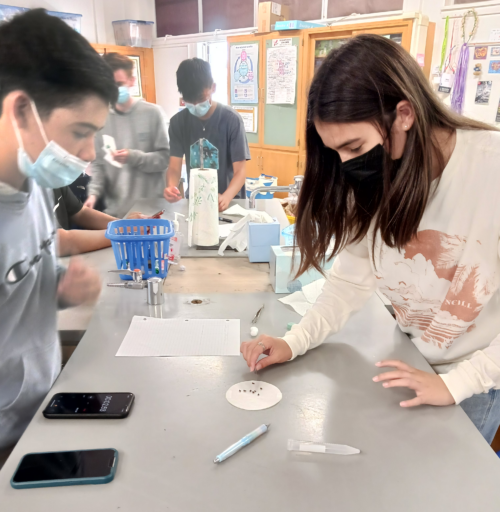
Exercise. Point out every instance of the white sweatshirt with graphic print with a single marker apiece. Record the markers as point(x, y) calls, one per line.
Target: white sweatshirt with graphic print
point(444, 285)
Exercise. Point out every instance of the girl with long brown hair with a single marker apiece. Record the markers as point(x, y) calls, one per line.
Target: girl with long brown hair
point(408, 192)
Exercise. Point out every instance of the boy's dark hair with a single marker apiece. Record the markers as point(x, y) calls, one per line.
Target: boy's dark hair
point(51, 62)
point(193, 77)
point(117, 61)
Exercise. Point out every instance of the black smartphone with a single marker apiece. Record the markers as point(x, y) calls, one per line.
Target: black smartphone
point(89, 405)
point(55, 469)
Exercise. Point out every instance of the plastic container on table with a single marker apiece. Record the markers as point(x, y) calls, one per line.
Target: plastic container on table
point(141, 244)
point(289, 235)
point(73, 20)
point(263, 180)
point(7, 12)
point(133, 33)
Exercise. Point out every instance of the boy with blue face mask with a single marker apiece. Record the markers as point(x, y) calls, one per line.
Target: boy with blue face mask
point(138, 167)
point(203, 118)
point(54, 96)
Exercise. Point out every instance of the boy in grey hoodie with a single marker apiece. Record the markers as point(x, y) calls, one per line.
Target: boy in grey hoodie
point(55, 92)
point(137, 169)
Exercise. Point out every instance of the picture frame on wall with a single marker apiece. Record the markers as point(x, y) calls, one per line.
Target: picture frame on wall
point(136, 91)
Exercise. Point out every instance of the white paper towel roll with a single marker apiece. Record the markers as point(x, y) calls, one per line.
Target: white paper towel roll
point(203, 226)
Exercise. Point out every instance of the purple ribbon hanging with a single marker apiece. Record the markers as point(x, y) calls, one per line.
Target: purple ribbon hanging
point(458, 93)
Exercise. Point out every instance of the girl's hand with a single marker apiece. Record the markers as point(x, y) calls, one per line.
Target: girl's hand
point(277, 350)
point(429, 387)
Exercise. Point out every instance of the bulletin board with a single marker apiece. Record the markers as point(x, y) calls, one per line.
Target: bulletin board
point(280, 121)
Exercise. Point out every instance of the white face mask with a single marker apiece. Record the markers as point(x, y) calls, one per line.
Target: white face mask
point(54, 167)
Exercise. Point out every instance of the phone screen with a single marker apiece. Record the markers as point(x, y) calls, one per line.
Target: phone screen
point(64, 465)
point(90, 403)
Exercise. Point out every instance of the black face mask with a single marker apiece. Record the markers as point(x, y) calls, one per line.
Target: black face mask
point(365, 174)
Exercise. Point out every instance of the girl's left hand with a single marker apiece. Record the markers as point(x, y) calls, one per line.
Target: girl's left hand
point(429, 387)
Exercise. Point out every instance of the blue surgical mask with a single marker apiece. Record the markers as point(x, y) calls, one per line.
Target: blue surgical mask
point(200, 109)
point(123, 94)
point(54, 167)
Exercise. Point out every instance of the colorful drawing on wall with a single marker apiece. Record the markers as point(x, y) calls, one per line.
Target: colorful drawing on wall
point(480, 52)
point(494, 66)
point(244, 73)
point(483, 92)
point(495, 51)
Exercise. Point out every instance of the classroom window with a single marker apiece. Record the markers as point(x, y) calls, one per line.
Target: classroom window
point(338, 8)
point(217, 58)
point(227, 14)
point(176, 17)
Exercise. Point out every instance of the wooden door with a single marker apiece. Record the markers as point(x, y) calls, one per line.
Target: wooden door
point(282, 164)
point(146, 63)
point(253, 166)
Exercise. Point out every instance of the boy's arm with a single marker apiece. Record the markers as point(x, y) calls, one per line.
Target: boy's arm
point(171, 192)
point(78, 241)
point(156, 160)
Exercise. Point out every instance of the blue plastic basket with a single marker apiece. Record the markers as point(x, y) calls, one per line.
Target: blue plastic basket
point(141, 244)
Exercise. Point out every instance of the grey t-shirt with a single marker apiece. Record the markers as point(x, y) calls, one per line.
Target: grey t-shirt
point(30, 356)
point(224, 129)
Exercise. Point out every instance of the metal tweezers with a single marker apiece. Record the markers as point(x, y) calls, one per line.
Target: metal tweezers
point(257, 315)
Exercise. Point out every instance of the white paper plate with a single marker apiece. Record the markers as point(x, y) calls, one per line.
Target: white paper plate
point(253, 395)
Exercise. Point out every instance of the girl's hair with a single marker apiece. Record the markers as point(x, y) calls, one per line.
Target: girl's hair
point(364, 80)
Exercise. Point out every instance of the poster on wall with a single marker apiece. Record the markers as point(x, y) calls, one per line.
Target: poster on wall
point(494, 66)
point(495, 51)
point(483, 92)
point(136, 91)
point(497, 118)
point(249, 116)
point(244, 65)
point(480, 52)
point(281, 75)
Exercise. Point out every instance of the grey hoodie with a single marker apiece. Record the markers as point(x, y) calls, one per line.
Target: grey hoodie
point(30, 356)
point(141, 130)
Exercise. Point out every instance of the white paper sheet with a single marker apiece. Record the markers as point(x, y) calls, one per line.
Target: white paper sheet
point(281, 75)
point(224, 230)
point(304, 300)
point(157, 337)
point(253, 395)
point(236, 209)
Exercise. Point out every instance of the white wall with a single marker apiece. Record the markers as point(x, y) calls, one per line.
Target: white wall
point(489, 18)
point(97, 15)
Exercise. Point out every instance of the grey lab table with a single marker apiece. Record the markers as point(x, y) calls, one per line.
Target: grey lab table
point(151, 206)
point(412, 460)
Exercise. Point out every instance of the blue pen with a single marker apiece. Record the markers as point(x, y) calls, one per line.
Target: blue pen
point(244, 441)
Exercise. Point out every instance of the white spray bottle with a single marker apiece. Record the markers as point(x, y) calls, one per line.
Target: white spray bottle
point(174, 252)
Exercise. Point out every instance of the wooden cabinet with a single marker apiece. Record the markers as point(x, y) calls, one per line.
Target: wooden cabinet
point(282, 164)
point(253, 165)
point(278, 148)
point(146, 73)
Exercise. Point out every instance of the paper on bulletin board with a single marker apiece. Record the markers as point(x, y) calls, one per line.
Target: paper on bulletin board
point(284, 41)
point(244, 73)
point(281, 75)
point(495, 35)
point(249, 116)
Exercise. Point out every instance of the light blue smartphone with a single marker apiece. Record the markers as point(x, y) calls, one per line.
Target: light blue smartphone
point(55, 469)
